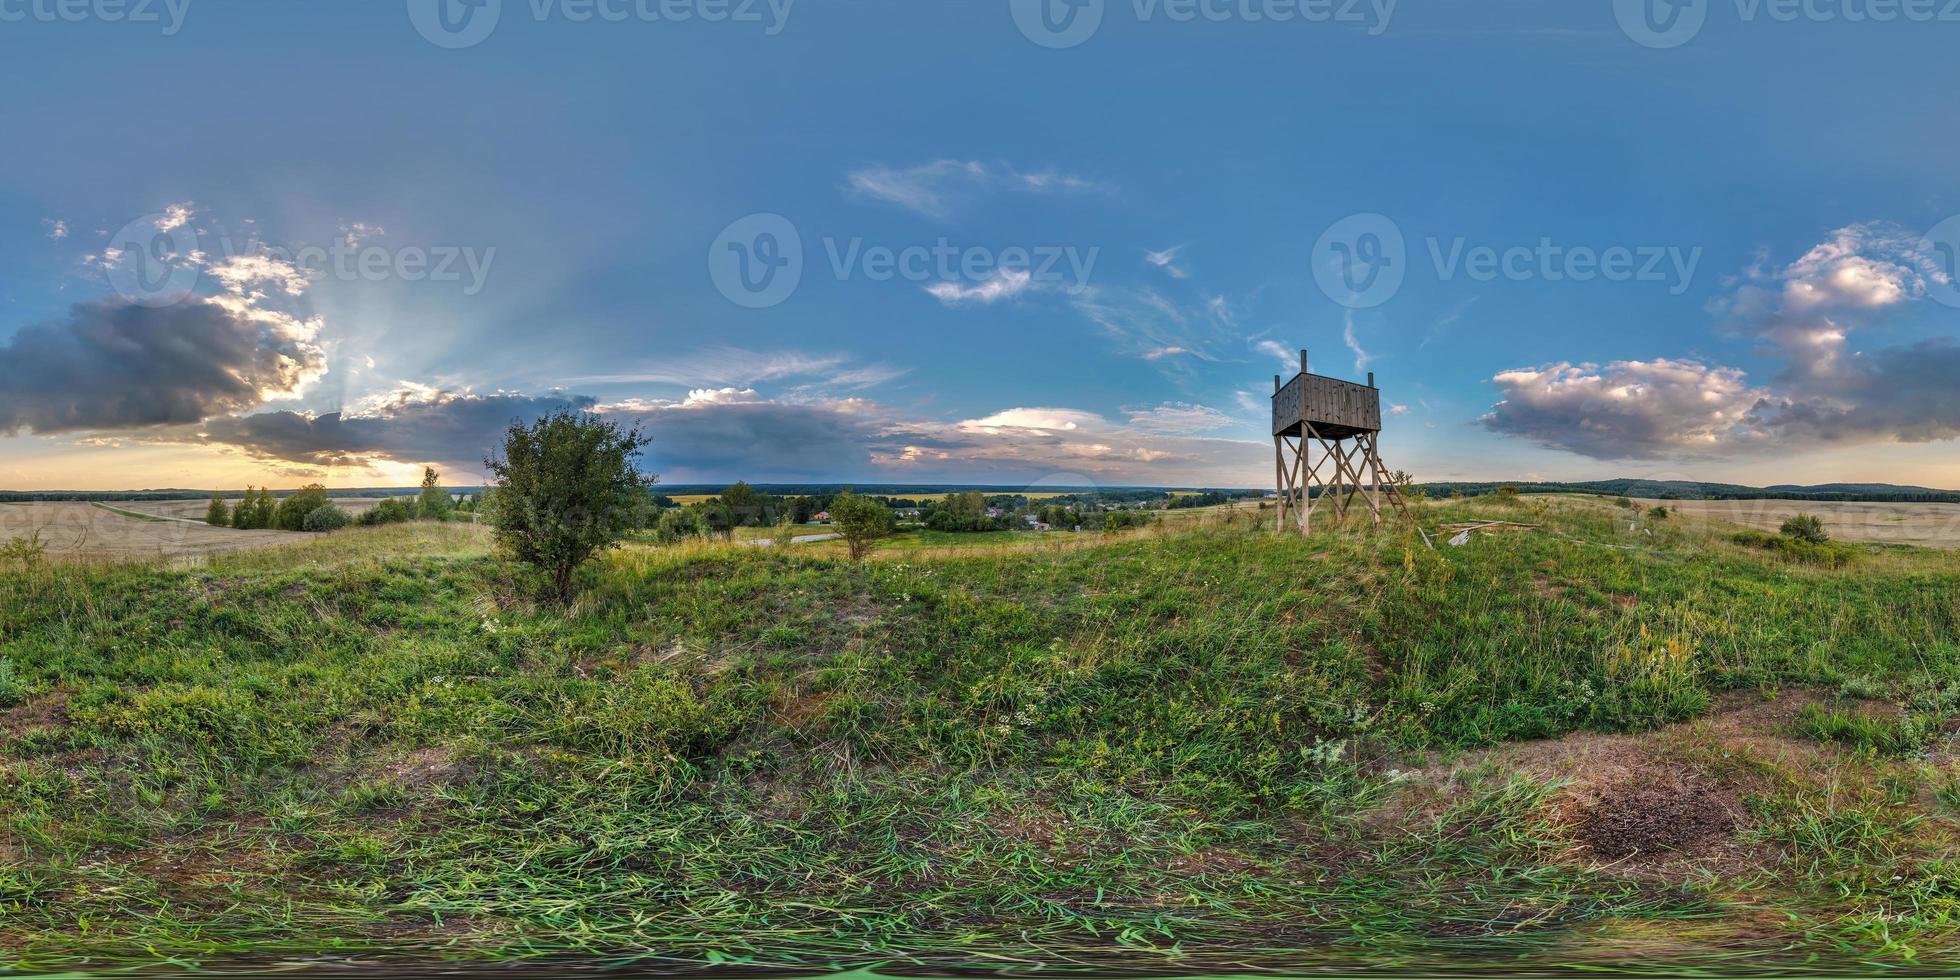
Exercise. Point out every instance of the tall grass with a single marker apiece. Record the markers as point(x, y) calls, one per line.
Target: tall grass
point(1184, 739)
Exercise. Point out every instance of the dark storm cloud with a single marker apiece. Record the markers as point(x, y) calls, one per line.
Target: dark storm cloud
point(1911, 394)
point(1828, 392)
point(771, 439)
point(113, 365)
point(452, 429)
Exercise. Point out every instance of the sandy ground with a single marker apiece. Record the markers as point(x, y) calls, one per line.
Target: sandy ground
point(1927, 525)
point(80, 531)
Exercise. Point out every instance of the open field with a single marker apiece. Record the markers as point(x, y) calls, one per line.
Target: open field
point(194, 509)
point(79, 531)
point(1923, 524)
point(1202, 746)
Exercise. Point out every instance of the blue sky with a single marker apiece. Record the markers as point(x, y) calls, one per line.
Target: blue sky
point(1104, 243)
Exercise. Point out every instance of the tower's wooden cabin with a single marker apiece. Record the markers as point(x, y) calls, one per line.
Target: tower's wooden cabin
point(1310, 411)
point(1335, 409)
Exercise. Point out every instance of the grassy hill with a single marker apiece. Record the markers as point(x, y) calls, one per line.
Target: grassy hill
point(1207, 745)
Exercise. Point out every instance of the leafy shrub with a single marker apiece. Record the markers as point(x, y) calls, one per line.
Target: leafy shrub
point(390, 511)
point(323, 519)
point(1806, 527)
point(958, 522)
point(675, 525)
point(292, 511)
point(1659, 512)
point(26, 552)
point(1624, 503)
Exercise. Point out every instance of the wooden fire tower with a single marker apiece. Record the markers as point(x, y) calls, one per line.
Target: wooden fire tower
point(1343, 419)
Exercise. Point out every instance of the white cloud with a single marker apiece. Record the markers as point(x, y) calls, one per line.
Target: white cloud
point(175, 216)
point(1626, 409)
point(936, 189)
point(239, 273)
point(356, 232)
point(1005, 284)
point(1287, 355)
point(1050, 419)
point(1167, 261)
point(1361, 357)
point(723, 367)
point(55, 227)
point(1179, 418)
point(1807, 313)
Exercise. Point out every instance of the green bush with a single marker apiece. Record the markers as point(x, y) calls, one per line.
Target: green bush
point(26, 552)
point(323, 519)
point(291, 512)
point(1806, 527)
point(390, 511)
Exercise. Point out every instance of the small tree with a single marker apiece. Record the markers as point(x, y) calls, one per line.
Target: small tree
point(1806, 527)
point(245, 516)
point(862, 521)
point(434, 503)
point(566, 488)
point(263, 509)
point(218, 514)
point(1659, 512)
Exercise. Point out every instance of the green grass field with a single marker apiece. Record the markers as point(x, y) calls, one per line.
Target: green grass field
point(1204, 746)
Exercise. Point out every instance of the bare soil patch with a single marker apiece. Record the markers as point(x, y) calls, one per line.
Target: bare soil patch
point(1668, 816)
point(46, 713)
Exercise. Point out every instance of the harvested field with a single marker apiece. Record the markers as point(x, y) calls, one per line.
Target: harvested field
point(1928, 525)
point(194, 509)
point(87, 532)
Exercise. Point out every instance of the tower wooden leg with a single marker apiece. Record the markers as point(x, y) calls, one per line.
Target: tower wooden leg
point(1279, 482)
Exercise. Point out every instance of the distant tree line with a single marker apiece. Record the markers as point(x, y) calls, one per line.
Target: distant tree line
point(311, 509)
